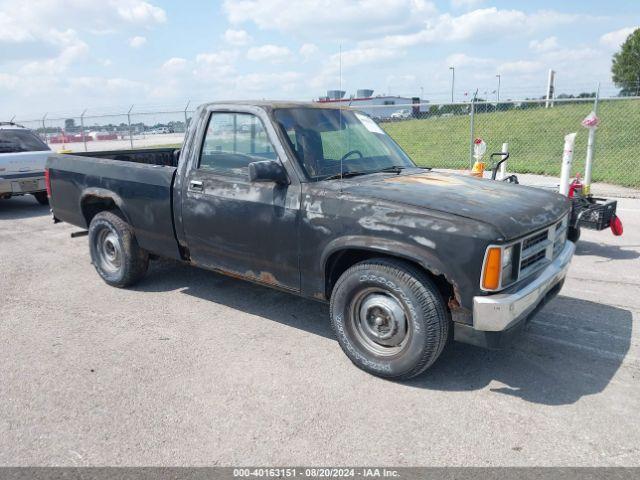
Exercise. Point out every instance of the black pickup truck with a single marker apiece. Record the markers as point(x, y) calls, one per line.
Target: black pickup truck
point(320, 202)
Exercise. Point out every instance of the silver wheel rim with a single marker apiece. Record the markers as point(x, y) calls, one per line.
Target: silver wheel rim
point(109, 250)
point(379, 322)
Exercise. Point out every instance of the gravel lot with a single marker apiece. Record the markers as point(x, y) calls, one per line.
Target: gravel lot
point(192, 368)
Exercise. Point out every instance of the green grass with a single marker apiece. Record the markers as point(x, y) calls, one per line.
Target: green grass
point(535, 137)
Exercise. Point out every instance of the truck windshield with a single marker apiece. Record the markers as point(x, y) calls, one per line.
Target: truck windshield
point(330, 141)
point(14, 141)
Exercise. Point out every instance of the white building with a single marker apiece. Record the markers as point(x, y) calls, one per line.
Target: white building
point(379, 106)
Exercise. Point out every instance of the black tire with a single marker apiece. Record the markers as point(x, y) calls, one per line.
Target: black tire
point(42, 198)
point(115, 252)
point(361, 290)
point(574, 234)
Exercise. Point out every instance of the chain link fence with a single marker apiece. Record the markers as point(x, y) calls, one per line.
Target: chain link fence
point(108, 132)
point(435, 135)
point(442, 135)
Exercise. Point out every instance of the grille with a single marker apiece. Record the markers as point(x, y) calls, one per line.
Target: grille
point(542, 247)
point(532, 260)
point(536, 239)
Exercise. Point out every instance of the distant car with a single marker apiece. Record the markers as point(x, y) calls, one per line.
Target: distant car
point(22, 158)
point(401, 114)
point(160, 131)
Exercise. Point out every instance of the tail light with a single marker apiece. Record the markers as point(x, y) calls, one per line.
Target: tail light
point(616, 226)
point(47, 182)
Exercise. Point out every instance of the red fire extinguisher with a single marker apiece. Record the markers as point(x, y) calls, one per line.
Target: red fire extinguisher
point(575, 188)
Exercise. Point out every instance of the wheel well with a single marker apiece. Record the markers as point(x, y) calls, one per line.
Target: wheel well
point(342, 260)
point(92, 205)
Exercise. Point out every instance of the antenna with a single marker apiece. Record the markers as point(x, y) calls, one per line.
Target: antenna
point(340, 107)
point(340, 69)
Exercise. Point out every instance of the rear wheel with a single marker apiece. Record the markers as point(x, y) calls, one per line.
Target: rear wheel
point(389, 317)
point(115, 252)
point(42, 198)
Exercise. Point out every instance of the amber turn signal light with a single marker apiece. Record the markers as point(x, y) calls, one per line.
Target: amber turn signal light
point(492, 267)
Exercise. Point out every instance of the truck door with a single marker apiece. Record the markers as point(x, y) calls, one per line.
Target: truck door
point(234, 225)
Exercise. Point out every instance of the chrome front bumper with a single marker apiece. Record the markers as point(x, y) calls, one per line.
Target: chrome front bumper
point(495, 313)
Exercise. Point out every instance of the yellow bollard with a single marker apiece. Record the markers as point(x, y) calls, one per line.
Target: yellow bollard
point(478, 169)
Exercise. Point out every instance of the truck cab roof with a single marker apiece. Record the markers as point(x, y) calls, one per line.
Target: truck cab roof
point(271, 104)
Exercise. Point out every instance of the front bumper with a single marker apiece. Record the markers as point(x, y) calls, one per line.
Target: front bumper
point(496, 318)
point(20, 184)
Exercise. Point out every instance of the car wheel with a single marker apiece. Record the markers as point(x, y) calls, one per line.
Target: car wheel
point(115, 252)
point(389, 318)
point(42, 198)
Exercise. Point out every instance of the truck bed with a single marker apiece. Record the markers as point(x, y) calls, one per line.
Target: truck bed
point(141, 181)
point(167, 157)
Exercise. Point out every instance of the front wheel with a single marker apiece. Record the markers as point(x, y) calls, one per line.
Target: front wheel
point(115, 252)
point(574, 234)
point(389, 317)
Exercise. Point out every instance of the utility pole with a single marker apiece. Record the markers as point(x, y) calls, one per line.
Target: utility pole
point(591, 148)
point(129, 121)
point(637, 54)
point(472, 127)
point(453, 80)
point(186, 120)
point(550, 89)
point(498, 91)
point(44, 127)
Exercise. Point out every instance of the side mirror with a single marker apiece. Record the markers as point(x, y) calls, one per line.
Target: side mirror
point(268, 171)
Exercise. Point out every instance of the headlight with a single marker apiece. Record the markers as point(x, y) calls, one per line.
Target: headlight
point(507, 256)
point(507, 265)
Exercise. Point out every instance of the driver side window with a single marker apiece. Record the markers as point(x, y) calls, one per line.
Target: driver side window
point(233, 141)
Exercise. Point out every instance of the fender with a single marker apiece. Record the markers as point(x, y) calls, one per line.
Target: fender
point(104, 194)
point(416, 253)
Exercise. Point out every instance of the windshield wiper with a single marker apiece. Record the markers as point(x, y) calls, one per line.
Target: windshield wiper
point(345, 174)
point(392, 169)
point(399, 169)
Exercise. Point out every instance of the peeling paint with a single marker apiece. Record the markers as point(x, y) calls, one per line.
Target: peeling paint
point(371, 223)
point(425, 241)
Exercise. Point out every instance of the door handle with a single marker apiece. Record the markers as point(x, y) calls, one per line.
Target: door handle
point(196, 185)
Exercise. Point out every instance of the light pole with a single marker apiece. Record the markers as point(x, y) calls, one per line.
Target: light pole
point(453, 80)
point(498, 91)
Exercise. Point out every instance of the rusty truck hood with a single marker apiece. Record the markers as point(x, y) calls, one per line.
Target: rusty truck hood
point(513, 210)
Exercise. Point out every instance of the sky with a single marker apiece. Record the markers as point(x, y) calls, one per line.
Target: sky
point(63, 56)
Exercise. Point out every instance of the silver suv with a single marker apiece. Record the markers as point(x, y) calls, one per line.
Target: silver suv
point(22, 158)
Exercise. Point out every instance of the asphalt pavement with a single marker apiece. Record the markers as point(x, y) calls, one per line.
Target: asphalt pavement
point(193, 368)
